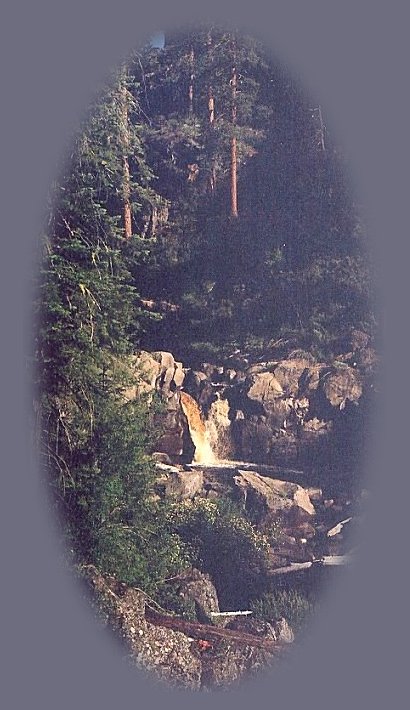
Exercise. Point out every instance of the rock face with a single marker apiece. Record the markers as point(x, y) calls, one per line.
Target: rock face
point(269, 499)
point(171, 655)
point(277, 410)
point(198, 587)
point(182, 485)
point(166, 653)
point(267, 412)
point(342, 385)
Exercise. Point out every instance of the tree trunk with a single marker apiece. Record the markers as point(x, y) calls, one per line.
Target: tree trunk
point(126, 186)
point(211, 109)
point(211, 113)
point(234, 157)
point(322, 129)
point(191, 83)
point(211, 633)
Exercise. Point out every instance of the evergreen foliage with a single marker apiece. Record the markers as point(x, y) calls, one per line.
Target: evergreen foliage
point(190, 278)
point(292, 604)
point(223, 543)
point(96, 443)
point(250, 277)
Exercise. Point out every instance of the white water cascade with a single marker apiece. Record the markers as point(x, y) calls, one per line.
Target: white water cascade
point(211, 436)
point(198, 431)
point(218, 427)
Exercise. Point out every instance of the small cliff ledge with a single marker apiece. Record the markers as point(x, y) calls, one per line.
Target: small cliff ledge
point(290, 410)
point(190, 655)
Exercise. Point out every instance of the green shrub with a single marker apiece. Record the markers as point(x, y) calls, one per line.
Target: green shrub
point(224, 544)
point(289, 603)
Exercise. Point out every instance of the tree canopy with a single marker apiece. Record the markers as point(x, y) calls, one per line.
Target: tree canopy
point(203, 208)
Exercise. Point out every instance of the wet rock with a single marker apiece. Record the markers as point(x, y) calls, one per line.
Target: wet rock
point(174, 428)
point(193, 382)
point(252, 438)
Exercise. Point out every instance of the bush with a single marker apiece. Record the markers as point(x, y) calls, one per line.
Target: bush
point(223, 543)
point(293, 605)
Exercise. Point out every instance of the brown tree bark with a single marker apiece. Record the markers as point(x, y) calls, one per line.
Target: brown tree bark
point(126, 186)
point(211, 110)
point(213, 633)
point(191, 83)
point(234, 154)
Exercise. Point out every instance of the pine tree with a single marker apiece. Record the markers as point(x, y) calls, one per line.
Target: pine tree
point(96, 444)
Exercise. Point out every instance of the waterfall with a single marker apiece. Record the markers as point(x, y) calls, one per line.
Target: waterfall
point(218, 427)
point(197, 429)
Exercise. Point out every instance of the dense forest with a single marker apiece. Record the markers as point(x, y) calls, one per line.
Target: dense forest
point(203, 209)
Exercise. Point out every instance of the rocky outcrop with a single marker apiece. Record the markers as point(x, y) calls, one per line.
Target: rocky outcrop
point(268, 500)
point(270, 496)
point(182, 485)
point(189, 655)
point(166, 653)
point(274, 411)
point(279, 410)
point(198, 588)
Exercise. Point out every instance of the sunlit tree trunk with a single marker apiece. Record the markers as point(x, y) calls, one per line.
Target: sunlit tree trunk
point(191, 83)
point(211, 113)
point(234, 156)
point(125, 140)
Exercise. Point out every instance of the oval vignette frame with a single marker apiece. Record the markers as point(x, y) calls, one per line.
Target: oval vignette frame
point(86, 657)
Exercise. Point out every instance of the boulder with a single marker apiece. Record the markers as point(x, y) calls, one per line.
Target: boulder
point(283, 631)
point(198, 587)
point(342, 384)
point(179, 375)
point(288, 373)
point(167, 370)
point(251, 437)
point(315, 494)
point(183, 485)
point(272, 499)
point(193, 382)
point(149, 367)
point(161, 457)
point(264, 387)
point(174, 431)
point(164, 652)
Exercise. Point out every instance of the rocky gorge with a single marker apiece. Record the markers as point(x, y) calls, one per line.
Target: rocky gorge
point(280, 439)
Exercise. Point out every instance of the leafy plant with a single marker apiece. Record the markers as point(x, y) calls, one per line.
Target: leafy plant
point(224, 544)
point(291, 604)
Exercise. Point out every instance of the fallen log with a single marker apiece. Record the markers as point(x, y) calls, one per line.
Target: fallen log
point(326, 561)
point(212, 633)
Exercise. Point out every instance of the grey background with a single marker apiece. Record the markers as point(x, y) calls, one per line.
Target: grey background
point(352, 56)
